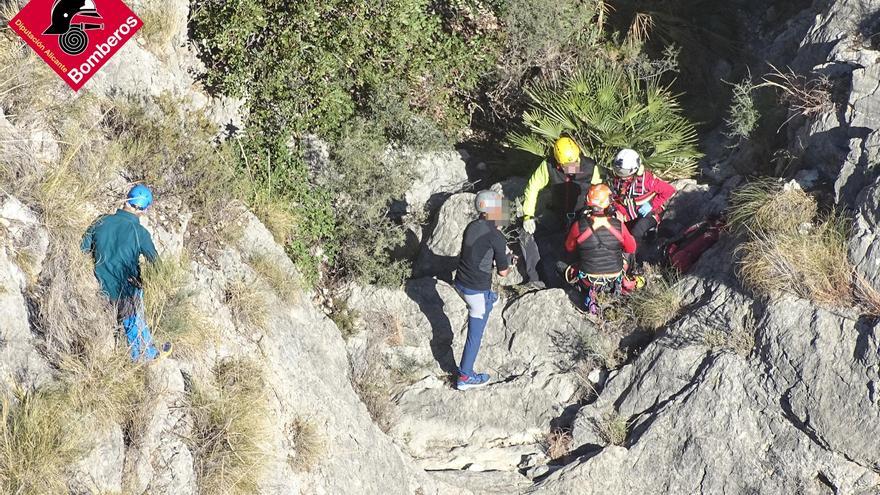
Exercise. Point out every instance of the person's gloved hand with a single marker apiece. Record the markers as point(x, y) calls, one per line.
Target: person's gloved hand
point(529, 225)
point(645, 209)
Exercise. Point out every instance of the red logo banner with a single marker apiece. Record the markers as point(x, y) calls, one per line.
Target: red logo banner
point(76, 37)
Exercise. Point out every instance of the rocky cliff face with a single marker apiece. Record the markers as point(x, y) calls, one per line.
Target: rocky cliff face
point(735, 395)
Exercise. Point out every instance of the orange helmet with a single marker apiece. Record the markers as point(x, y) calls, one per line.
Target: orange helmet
point(599, 196)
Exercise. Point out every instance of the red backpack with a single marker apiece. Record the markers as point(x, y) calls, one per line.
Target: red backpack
point(683, 251)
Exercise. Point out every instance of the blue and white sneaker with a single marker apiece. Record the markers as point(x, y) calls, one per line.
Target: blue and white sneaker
point(477, 380)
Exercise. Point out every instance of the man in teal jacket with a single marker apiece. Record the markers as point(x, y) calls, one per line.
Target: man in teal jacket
point(116, 242)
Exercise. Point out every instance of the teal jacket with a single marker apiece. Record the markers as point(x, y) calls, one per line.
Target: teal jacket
point(116, 242)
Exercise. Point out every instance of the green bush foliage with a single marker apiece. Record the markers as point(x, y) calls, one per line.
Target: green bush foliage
point(606, 107)
point(402, 70)
point(311, 66)
point(363, 178)
point(298, 212)
point(743, 114)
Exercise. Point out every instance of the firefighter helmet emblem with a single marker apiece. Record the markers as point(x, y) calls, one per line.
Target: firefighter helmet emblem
point(69, 22)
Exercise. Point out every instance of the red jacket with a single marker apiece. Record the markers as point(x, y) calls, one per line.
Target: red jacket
point(632, 192)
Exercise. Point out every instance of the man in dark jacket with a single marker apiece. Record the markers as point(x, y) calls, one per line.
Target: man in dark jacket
point(483, 247)
point(116, 242)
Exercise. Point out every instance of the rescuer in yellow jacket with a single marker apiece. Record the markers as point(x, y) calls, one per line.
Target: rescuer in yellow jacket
point(568, 175)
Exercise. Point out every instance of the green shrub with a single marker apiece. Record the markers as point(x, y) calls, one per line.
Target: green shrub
point(312, 66)
point(345, 318)
point(606, 107)
point(549, 34)
point(365, 179)
point(743, 114)
point(230, 428)
point(402, 67)
point(298, 212)
point(38, 443)
point(612, 428)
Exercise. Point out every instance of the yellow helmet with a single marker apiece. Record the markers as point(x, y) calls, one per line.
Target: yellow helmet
point(566, 151)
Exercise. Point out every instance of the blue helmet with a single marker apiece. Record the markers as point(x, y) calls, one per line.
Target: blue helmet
point(140, 197)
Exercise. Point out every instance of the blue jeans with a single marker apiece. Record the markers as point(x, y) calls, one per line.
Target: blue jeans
point(479, 306)
point(140, 341)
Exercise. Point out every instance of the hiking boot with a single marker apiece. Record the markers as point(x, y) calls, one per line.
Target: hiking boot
point(164, 352)
point(477, 380)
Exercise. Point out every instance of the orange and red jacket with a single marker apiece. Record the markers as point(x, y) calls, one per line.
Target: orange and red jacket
point(632, 192)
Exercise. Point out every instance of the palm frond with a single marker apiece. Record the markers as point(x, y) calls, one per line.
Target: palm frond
point(606, 107)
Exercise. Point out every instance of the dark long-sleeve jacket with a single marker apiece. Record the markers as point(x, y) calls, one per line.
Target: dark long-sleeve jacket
point(116, 242)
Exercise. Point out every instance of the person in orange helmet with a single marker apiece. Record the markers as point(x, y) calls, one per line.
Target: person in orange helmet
point(600, 240)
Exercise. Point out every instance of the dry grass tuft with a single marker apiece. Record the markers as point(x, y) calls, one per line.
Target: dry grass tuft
point(248, 304)
point(557, 444)
point(763, 206)
point(812, 264)
point(585, 349)
point(26, 261)
point(230, 428)
point(739, 339)
point(866, 295)
point(171, 307)
point(71, 315)
point(159, 27)
point(803, 95)
point(284, 283)
point(39, 440)
point(307, 443)
point(612, 428)
point(657, 303)
point(277, 216)
point(105, 385)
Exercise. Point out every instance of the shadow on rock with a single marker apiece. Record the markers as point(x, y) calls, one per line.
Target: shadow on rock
point(426, 296)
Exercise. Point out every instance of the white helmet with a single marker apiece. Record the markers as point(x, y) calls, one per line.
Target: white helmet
point(487, 200)
point(627, 163)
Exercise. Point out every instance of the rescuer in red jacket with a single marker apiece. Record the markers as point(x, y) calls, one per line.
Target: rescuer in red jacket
point(640, 197)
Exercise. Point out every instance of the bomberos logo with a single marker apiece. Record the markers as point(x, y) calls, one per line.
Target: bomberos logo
point(76, 37)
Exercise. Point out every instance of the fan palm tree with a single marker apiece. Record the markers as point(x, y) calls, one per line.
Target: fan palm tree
point(606, 107)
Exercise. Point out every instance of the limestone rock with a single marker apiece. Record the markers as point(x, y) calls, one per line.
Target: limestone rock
point(439, 256)
point(438, 175)
point(532, 348)
point(100, 471)
point(23, 244)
